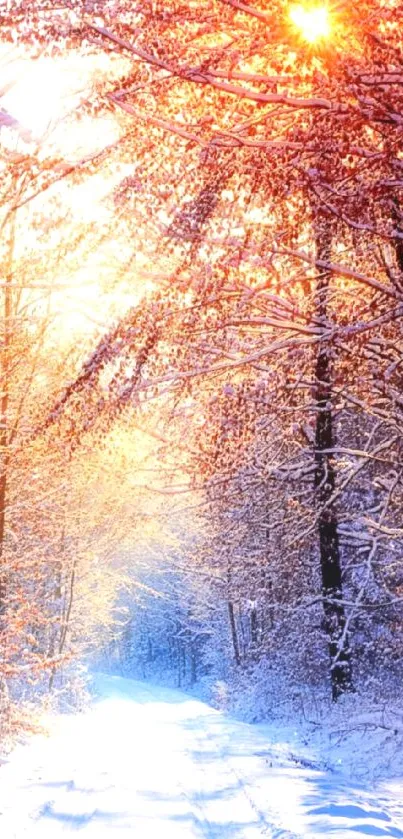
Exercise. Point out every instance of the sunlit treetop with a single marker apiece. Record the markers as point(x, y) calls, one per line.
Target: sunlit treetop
point(312, 22)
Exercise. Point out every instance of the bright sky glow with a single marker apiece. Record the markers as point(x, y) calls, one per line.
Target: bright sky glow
point(313, 22)
point(40, 98)
point(45, 94)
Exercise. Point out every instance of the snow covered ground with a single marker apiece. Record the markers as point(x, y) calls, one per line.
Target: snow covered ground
point(146, 762)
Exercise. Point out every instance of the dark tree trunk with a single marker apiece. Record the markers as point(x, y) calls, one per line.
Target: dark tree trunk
point(334, 614)
point(234, 635)
point(179, 663)
point(397, 218)
point(65, 622)
point(254, 631)
point(3, 501)
point(4, 406)
point(193, 663)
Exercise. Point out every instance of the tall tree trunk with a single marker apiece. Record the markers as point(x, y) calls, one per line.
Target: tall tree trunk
point(329, 549)
point(234, 635)
point(254, 631)
point(231, 615)
point(193, 663)
point(65, 625)
point(4, 405)
point(397, 218)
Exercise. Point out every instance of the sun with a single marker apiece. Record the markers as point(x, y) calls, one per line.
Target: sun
point(313, 22)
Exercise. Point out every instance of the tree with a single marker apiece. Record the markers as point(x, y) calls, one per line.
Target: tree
point(279, 205)
point(333, 140)
point(58, 585)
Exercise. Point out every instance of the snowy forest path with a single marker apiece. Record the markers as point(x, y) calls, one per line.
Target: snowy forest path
point(147, 761)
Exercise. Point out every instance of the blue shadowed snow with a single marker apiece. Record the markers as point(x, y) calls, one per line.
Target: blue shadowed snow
point(151, 762)
point(349, 811)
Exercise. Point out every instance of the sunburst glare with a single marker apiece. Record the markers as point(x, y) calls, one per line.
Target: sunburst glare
point(313, 22)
